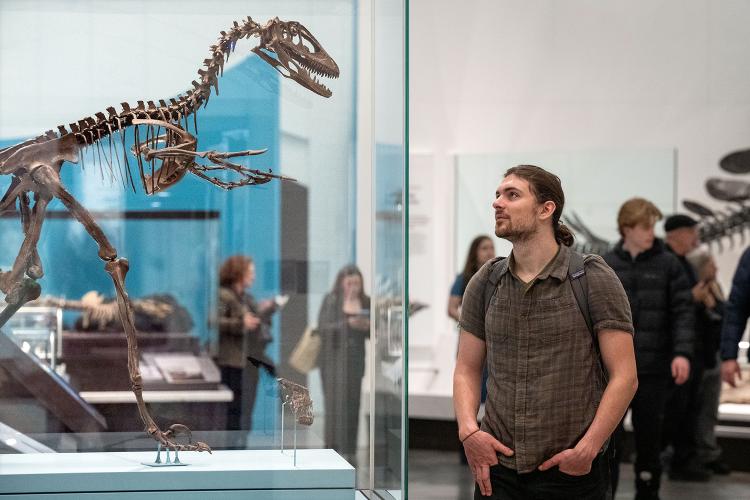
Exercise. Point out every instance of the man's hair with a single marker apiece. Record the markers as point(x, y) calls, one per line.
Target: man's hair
point(546, 186)
point(637, 211)
point(233, 269)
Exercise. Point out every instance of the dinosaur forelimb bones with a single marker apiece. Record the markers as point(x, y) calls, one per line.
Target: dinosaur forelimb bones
point(179, 154)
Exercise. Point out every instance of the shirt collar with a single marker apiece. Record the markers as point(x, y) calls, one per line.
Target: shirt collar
point(557, 268)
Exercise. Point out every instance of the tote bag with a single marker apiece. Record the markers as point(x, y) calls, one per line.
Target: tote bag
point(304, 357)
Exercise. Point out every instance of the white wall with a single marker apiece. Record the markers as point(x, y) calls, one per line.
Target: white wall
point(515, 76)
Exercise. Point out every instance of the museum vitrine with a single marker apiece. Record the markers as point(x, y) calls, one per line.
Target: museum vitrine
point(186, 189)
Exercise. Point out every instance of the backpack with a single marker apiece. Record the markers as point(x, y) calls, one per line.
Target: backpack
point(577, 279)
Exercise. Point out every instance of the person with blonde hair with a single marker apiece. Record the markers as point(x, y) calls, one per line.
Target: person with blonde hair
point(662, 309)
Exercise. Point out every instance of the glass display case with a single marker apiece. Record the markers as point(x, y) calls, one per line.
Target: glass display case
point(37, 330)
point(186, 190)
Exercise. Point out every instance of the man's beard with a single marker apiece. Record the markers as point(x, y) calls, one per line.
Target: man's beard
point(515, 234)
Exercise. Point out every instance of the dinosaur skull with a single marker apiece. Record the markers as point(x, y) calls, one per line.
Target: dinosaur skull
point(298, 54)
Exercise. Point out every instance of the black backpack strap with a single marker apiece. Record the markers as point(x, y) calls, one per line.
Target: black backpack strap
point(577, 276)
point(498, 265)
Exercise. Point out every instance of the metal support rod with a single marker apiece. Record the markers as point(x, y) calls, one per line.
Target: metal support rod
point(282, 426)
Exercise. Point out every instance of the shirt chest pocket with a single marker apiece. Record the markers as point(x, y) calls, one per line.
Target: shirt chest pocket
point(555, 320)
point(498, 321)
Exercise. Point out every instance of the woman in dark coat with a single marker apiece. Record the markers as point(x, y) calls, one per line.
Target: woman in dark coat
point(343, 326)
point(244, 330)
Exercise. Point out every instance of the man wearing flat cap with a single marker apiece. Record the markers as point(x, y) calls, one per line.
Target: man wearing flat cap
point(681, 419)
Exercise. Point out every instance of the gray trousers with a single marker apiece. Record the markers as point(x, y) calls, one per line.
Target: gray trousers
point(709, 391)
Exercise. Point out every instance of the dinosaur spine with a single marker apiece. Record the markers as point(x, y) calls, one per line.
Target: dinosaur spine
point(90, 130)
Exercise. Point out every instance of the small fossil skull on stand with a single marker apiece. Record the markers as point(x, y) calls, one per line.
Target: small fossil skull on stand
point(298, 398)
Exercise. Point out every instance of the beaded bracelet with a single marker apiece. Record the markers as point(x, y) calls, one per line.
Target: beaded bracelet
point(470, 434)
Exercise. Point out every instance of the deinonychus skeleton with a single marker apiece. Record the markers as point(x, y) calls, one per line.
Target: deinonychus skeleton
point(34, 166)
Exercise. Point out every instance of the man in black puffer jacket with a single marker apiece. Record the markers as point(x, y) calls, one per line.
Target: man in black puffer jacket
point(663, 317)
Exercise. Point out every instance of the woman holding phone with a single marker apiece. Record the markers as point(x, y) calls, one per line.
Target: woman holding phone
point(343, 326)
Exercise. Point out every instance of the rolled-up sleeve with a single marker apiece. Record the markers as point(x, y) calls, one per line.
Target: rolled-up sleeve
point(472, 307)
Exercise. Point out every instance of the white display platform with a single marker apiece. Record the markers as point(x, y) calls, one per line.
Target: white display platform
point(225, 474)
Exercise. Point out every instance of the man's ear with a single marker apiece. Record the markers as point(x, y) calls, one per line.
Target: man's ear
point(547, 210)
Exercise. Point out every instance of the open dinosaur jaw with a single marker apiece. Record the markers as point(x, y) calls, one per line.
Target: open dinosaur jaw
point(302, 70)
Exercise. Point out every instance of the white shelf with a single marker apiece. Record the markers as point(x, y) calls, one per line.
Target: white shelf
point(267, 474)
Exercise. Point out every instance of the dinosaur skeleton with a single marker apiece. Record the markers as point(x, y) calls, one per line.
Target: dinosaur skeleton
point(161, 134)
point(95, 311)
point(714, 225)
point(735, 218)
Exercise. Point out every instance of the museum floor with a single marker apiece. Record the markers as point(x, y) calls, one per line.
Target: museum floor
point(438, 475)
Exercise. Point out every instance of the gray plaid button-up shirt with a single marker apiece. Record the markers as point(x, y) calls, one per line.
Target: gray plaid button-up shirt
point(545, 381)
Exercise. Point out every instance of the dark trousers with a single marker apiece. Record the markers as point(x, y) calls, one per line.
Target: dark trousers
point(681, 420)
point(244, 385)
point(232, 378)
point(551, 484)
point(341, 396)
point(648, 408)
point(615, 449)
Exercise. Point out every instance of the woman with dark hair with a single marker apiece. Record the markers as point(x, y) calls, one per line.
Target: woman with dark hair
point(343, 326)
point(244, 330)
point(480, 251)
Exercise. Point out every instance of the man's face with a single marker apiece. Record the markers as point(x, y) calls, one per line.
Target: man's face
point(684, 240)
point(516, 210)
point(640, 236)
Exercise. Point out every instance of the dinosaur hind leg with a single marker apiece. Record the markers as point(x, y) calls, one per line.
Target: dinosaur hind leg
point(27, 261)
point(117, 269)
point(20, 290)
point(34, 267)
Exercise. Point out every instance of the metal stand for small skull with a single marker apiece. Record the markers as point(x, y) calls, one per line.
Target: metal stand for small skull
point(298, 397)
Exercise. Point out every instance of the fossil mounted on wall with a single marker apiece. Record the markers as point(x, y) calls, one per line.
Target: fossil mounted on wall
point(719, 225)
point(165, 151)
